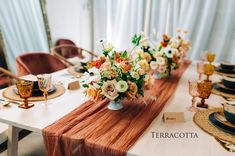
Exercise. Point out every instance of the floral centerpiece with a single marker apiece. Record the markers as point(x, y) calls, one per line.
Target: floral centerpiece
point(115, 75)
point(167, 55)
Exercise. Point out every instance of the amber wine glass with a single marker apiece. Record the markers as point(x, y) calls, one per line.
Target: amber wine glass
point(204, 90)
point(193, 91)
point(200, 69)
point(44, 84)
point(209, 70)
point(25, 89)
point(210, 57)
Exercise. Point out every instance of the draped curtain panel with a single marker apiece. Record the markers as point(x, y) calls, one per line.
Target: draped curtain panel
point(22, 27)
point(210, 23)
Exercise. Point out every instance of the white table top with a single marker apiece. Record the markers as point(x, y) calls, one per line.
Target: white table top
point(40, 116)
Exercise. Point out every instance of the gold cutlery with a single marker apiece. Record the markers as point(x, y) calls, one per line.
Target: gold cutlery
point(226, 145)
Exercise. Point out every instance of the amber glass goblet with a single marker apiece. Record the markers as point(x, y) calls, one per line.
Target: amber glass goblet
point(25, 89)
point(210, 57)
point(209, 70)
point(44, 84)
point(200, 69)
point(204, 90)
point(193, 91)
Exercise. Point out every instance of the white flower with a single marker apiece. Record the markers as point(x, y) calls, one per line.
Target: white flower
point(169, 51)
point(122, 86)
point(94, 70)
point(161, 61)
point(108, 46)
point(135, 75)
point(154, 65)
point(87, 78)
point(109, 89)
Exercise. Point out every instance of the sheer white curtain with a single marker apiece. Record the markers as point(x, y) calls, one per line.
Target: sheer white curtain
point(22, 27)
point(117, 21)
point(210, 23)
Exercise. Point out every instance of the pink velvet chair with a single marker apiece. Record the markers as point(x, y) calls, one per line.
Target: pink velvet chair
point(67, 52)
point(66, 49)
point(38, 63)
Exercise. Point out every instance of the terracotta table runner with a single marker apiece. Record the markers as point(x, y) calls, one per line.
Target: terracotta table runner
point(94, 130)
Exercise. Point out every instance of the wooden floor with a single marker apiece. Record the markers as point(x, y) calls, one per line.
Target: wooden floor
point(31, 145)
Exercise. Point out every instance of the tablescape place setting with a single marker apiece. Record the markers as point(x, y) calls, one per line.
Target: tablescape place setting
point(31, 88)
point(218, 122)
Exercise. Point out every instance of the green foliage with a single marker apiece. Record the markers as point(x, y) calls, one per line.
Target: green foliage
point(136, 39)
point(85, 85)
point(124, 54)
point(105, 52)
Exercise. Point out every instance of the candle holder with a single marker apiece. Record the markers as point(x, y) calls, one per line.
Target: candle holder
point(208, 71)
point(25, 89)
point(204, 90)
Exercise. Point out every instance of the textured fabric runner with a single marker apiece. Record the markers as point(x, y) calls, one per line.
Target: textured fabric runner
point(94, 130)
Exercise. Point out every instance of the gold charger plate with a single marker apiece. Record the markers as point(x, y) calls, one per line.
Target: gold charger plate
point(11, 95)
point(201, 118)
point(73, 72)
point(220, 93)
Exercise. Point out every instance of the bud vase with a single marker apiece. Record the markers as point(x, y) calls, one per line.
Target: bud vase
point(115, 105)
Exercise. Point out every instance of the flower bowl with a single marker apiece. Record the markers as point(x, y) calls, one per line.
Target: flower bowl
point(227, 65)
point(229, 111)
point(229, 81)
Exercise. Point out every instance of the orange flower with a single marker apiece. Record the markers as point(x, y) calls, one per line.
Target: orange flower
point(165, 41)
point(147, 56)
point(175, 58)
point(132, 90)
point(93, 93)
point(118, 58)
point(96, 63)
point(125, 66)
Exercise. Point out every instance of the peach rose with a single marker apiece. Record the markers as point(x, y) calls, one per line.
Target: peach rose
point(93, 93)
point(125, 66)
point(132, 90)
point(147, 56)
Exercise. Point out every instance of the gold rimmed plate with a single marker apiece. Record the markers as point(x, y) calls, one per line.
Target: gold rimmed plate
point(222, 88)
point(218, 120)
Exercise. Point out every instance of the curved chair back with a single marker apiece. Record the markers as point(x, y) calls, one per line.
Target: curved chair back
point(6, 78)
point(66, 52)
point(38, 63)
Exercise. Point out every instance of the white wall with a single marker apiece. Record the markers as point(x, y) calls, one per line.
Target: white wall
point(69, 19)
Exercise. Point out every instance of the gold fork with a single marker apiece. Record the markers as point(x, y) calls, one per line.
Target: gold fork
point(225, 145)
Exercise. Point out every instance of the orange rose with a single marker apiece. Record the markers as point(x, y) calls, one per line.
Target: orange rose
point(118, 58)
point(175, 58)
point(132, 90)
point(125, 66)
point(93, 93)
point(96, 63)
point(147, 56)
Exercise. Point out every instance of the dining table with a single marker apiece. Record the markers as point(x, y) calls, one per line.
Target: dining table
point(157, 139)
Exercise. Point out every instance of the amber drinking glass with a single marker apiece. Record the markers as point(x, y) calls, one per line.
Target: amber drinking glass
point(209, 70)
point(210, 57)
point(193, 91)
point(204, 90)
point(200, 69)
point(44, 84)
point(25, 89)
